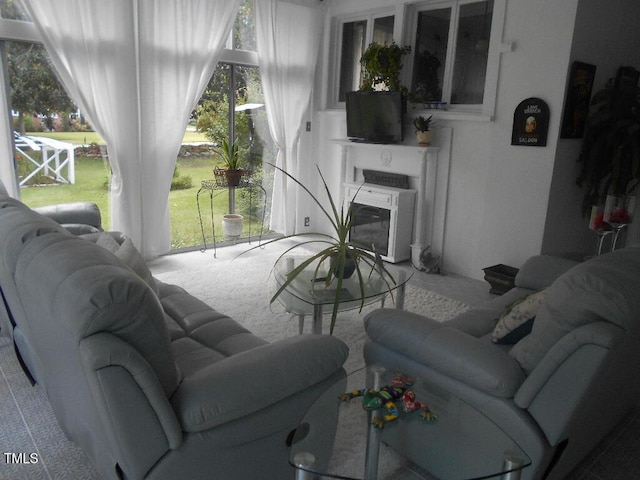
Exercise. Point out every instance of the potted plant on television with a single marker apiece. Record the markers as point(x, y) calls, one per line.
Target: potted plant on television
point(423, 133)
point(230, 157)
point(341, 257)
point(382, 64)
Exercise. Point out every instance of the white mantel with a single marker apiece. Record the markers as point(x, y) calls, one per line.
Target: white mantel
point(428, 172)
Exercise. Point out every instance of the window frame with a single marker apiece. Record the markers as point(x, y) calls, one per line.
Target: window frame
point(486, 110)
point(405, 29)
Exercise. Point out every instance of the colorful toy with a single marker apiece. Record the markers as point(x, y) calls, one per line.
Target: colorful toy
point(387, 397)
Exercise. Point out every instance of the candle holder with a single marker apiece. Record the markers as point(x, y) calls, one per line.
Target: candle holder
point(599, 227)
point(618, 212)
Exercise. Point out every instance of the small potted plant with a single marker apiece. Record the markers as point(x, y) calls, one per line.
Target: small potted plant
point(230, 157)
point(423, 133)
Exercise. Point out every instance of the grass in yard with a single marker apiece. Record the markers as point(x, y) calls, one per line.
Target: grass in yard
point(87, 138)
point(91, 179)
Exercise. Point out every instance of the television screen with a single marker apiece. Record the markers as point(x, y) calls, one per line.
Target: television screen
point(374, 117)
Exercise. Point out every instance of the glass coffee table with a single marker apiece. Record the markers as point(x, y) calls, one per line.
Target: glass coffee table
point(305, 297)
point(461, 443)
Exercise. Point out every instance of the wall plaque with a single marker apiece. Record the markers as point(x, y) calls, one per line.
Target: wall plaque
point(530, 123)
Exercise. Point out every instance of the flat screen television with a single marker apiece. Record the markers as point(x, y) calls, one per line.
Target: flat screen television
point(375, 117)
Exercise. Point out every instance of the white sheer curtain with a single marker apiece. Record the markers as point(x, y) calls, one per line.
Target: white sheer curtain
point(288, 38)
point(136, 68)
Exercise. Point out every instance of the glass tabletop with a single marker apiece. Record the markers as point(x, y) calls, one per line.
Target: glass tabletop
point(309, 288)
point(460, 443)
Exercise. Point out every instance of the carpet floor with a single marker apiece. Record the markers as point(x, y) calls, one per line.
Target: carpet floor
point(34, 447)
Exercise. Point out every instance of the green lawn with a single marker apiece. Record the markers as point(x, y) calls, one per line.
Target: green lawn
point(87, 138)
point(91, 179)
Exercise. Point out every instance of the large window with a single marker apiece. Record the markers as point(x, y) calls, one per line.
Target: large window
point(450, 52)
point(453, 63)
point(232, 107)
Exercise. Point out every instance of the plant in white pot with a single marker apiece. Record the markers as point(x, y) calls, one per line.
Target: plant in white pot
point(339, 258)
point(424, 135)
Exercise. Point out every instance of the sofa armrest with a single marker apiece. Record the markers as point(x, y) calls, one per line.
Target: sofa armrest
point(130, 402)
point(540, 271)
point(568, 372)
point(601, 334)
point(250, 381)
point(74, 214)
point(474, 361)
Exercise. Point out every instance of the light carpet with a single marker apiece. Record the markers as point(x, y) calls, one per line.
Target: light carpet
point(240, 286)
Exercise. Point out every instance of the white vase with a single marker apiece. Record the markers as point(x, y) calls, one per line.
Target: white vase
point(424, 138)
point(232, 225)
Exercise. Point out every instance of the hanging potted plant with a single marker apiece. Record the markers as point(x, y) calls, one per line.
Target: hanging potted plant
point(230, 157)
point(341, 257)
point(424, 135)
point(610, 152)
point(382, 65)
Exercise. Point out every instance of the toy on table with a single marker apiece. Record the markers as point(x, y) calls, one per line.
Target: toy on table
point(387, 397)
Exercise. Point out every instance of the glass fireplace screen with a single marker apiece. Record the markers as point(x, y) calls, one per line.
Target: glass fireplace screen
point(371, 227)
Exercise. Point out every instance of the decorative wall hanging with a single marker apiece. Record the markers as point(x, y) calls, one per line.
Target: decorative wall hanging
point(530, 123)
point(576, 105)
point(627, 77)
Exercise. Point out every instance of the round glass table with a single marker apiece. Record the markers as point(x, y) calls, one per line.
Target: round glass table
point(307, 294)
point(339, 439)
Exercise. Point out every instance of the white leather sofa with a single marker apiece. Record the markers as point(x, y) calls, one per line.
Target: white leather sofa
point(148, 380)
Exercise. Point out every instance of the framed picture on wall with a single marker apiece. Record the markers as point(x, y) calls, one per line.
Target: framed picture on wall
point(627, 77)
point(576, 107)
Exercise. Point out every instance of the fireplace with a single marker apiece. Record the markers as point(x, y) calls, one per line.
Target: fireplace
point(428, 172)
point(383, 219)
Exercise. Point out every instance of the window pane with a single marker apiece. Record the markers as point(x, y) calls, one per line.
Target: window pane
point(430, 54)
point(43, 115)
point(13, 10)
point(353, 45)
point(232, 108)
point(470, 64)
point(244, 32)
point(255, 146)
point(383, 30)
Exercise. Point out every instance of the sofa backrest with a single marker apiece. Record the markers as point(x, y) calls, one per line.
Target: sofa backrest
point(603, 288)
point(77, 288)
point(18, 225)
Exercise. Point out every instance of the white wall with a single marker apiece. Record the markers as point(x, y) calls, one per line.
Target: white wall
point(498, 193)
point(607, 38)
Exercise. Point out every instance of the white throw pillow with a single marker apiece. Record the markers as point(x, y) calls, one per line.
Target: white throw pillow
point(130, 256)
point(517, 319)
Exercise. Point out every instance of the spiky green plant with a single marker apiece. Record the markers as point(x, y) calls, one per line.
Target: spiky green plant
point(338, 251)
point(229, 154)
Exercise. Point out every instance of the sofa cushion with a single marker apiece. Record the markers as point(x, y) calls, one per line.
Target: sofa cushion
point(517, 319)
point(129, 255)
point(603, 288)
point(540, 271)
